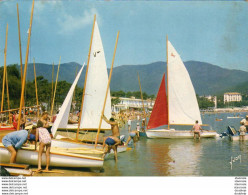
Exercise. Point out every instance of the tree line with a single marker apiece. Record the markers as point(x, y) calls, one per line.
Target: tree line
point(129, 94)
point(45, 93)
point(44, 90)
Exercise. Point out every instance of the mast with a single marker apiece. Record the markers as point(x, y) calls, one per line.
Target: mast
point(52, 85)
point(74, 93)
point(36, 90)
point(85, 79)
point(55, 87)
point(6, 72)
point(20, 45)
point(106, 95)
point(5, 68)
point(141, 95)
point(25, 68)
point(167, 55)
point(7, 88)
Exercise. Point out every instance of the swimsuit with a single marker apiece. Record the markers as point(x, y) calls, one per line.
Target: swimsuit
point(242, 130)
point(44, 136)
point(132, 135)
point(109, 141)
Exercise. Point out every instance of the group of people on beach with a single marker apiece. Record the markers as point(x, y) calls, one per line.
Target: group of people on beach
point(112, 142)
point(40, 133)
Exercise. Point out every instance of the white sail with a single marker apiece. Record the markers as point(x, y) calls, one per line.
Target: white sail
point(183, 105)
point(96, 86)
point(63, 115)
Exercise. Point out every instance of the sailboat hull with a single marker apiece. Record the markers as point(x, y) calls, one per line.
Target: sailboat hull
point(7, 128)
point(237, 138)
point(176, 134)
point(71, 144)
point(57, 159)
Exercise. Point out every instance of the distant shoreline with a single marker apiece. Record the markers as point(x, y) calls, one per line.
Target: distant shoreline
point(225, 110)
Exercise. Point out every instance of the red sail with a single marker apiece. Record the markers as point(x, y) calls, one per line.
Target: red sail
point(159, 114)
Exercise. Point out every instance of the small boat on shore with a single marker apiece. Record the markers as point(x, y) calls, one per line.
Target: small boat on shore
point(7, 128)
point(58, 158)
point(62, 143)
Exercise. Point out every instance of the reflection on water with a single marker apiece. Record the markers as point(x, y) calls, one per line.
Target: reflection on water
point(186, 154)
point(159, 157)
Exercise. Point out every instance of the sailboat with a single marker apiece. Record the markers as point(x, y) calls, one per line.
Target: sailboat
point(96, 83)
point(97, 80)
point(180, 107)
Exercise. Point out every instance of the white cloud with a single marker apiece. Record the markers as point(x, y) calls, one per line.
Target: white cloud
point(41, 5)
point(69, 23)
point(8, 7)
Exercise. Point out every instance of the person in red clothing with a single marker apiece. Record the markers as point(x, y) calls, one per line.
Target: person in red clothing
point(15, 121)
point(197, 129)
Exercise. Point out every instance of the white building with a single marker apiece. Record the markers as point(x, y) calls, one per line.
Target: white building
point(213, 99)
point(126, 103)
point(232, 97)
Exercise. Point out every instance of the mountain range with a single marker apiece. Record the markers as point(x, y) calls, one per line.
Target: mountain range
point(207, 79)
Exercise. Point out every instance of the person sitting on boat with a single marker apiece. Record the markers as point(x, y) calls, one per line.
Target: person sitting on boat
point(245, 121)
point(45, 142)
point(242, 131)
point(111, 142)
point(14, 141)
point(114, 126)
point(197, 129)
point(71, 119)
point(45, 120)
point(134, 135)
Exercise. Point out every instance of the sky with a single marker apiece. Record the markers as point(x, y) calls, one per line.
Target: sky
point(209, 31)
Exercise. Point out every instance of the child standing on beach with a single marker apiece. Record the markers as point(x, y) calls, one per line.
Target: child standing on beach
point(45, 142)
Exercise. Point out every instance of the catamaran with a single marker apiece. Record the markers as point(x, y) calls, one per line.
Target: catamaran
point(180, 107)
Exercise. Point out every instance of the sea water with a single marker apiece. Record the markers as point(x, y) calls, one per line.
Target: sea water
point(177, 157)
point(184, 157)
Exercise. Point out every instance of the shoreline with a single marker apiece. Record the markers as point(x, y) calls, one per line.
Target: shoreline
point(225, 110)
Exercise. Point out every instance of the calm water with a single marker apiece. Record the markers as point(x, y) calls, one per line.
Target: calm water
point(177, 157)
point(185, 157)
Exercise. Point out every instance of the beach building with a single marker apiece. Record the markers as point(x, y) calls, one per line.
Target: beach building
point(211, 98)
point(132, 102)
point(232, 97)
